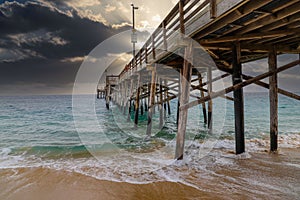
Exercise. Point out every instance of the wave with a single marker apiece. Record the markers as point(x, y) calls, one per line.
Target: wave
point(220, 175)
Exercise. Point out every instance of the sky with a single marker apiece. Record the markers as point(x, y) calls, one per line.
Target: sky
point(43, 42)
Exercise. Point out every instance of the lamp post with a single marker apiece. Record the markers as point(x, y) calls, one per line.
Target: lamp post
point(133, 36)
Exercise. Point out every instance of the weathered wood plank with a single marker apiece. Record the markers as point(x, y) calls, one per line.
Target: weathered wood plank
point(240, 85)
point(271, 18)
point(280, 91)
point(213, 9)
point(184, 98)
point(260, 35)
point(151, 101)
point(238, 99)
point(181, 16)
point(231, 17)
point(273, 93)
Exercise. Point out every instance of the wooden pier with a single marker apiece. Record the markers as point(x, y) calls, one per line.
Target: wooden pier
point(232, 32)
point(101, 93)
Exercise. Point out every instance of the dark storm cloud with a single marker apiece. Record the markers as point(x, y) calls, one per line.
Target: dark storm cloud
point(80, 34)
point(36, 38)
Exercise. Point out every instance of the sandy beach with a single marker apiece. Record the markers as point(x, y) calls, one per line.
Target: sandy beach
point(47, 184)
point(261, 176)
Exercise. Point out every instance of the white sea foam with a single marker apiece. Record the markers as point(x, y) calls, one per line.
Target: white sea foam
point(140, 168)
point(4, 152)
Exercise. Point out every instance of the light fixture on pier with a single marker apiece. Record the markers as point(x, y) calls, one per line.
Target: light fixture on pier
point(134, 35)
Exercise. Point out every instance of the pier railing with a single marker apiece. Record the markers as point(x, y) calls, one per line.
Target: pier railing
point(112, 80)
point(185, 18)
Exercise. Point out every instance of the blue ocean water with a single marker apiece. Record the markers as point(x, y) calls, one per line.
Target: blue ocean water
point(41, 129)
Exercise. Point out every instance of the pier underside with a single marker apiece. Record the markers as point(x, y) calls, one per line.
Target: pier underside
point(198, 38)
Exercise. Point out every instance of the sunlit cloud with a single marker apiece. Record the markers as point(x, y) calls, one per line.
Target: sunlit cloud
point(85, 9)
point(92, 16)
point(124, 24)
point(83, 3)
point(123, 7)
point(13, 55)
point(156, 18)
point(58, 41)
point(37, 37)
point(74, 59)
point(144, 24)
point(121, 56)
point(6, 10)
point(109, 8)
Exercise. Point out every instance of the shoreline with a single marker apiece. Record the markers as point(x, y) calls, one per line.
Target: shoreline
point(226, 177)
point(48, 184)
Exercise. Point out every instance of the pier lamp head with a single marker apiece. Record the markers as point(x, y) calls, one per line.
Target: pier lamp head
point(132, 5)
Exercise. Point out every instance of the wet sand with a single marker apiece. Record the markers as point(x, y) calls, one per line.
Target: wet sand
point(47, 184)
point(263, 176)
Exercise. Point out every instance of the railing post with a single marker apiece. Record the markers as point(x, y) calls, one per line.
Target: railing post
point(213, 9)
point(141, 58)
point(153, 47)
point(181, 16)
point(146, 54)
point(136, 63)
point(165, 36)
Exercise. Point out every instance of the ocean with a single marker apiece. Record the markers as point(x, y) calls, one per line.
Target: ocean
point(39, 138)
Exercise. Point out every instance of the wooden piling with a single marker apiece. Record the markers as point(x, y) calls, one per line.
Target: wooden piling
point(238, 99)
point(240, 85)
point(145, 104)
point(210, 103)
point(273, 93)
point(98, 94)
point(168, 103)
point(142, 107)
point(137, 102)
point(179, 95)
point(130, 101)
point(202, 95)
point(107, 96)
point(165, 97)
point(151, 101)
point(121, 96)
point(133, 102)
point(184, 99)
point(161, 110)
point(125, 97)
